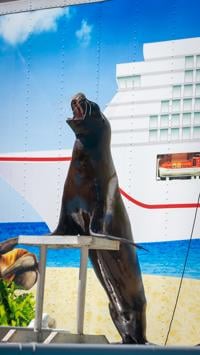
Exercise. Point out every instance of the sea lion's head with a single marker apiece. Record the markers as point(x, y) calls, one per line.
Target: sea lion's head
point(88, 122)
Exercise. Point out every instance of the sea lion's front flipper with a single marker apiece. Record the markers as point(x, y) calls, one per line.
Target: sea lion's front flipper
point(67, 225)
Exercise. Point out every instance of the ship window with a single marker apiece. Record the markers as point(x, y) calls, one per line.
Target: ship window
point(196, 132)
point(188, 90)
point(187, 104)
point(176, 91)
point(186, 119)
point(188, 76)
point(153, 123)
point(136, 79)
point(153, 134)
point(186, 133)
point(165, 106)
point(176, 104)
point(197, 90)
point(197, 104)
point(197, 118)
point(198, 61)
point(175, 119)
point(163, 134)
point(122, 83)
point(189, 61)
point(164, 120)
point(128, 82)
point(198, 75)
point(175, 133)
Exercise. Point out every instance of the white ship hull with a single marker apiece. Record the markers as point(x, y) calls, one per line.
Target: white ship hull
point(158, 211)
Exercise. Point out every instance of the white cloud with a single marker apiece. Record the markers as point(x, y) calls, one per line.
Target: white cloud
point(16, 28)
point(84, 33)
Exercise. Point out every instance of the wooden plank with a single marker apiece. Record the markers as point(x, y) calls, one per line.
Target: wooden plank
point(40, 288)
point(68, 338)
point(104, 244)
point(8, 335)
point(69, 241)
point(82, 289)
point(51, 336)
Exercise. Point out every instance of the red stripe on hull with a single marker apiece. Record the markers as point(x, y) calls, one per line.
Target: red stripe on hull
point(123, 193)
point(34, 159)
point(158, 206)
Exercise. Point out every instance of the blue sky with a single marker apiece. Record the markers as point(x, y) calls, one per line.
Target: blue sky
point(41, 70)
point(48, 56)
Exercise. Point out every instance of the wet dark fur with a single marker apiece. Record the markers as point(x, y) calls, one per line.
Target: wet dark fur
point(91, 202)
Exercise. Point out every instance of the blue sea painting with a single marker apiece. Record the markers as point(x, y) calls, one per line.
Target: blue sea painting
point(161, 258)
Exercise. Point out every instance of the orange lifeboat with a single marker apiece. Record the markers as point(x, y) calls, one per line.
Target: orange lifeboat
point(180, 168)
point(177, 164)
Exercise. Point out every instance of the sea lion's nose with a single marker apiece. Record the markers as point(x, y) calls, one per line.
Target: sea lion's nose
point(79, 97)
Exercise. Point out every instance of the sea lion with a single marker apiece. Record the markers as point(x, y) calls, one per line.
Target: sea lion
point(17, 265)
point(92, 205)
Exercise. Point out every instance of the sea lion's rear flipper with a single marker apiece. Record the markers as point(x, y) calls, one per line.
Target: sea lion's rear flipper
point(130, 325)
point(119, 273)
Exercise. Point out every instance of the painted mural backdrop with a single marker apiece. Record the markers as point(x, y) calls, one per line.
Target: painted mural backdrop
point(141, 62)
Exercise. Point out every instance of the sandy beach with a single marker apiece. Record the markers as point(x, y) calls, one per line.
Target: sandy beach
point(61, 300)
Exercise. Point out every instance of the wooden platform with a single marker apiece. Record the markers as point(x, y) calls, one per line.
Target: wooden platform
point(37, 334)
point(46, 336)
point(84, 243)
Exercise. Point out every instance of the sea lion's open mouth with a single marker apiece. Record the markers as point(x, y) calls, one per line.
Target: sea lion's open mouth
point(79, 107)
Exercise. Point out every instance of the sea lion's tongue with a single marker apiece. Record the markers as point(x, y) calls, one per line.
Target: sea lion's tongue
point(77, 111)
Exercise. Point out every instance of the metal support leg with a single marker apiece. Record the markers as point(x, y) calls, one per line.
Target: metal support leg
point(40, 289)
point(82, 289)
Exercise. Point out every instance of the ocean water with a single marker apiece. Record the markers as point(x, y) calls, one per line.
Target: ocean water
point(162, 258)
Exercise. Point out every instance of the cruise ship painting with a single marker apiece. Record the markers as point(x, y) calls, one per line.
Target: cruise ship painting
point(155, 121)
